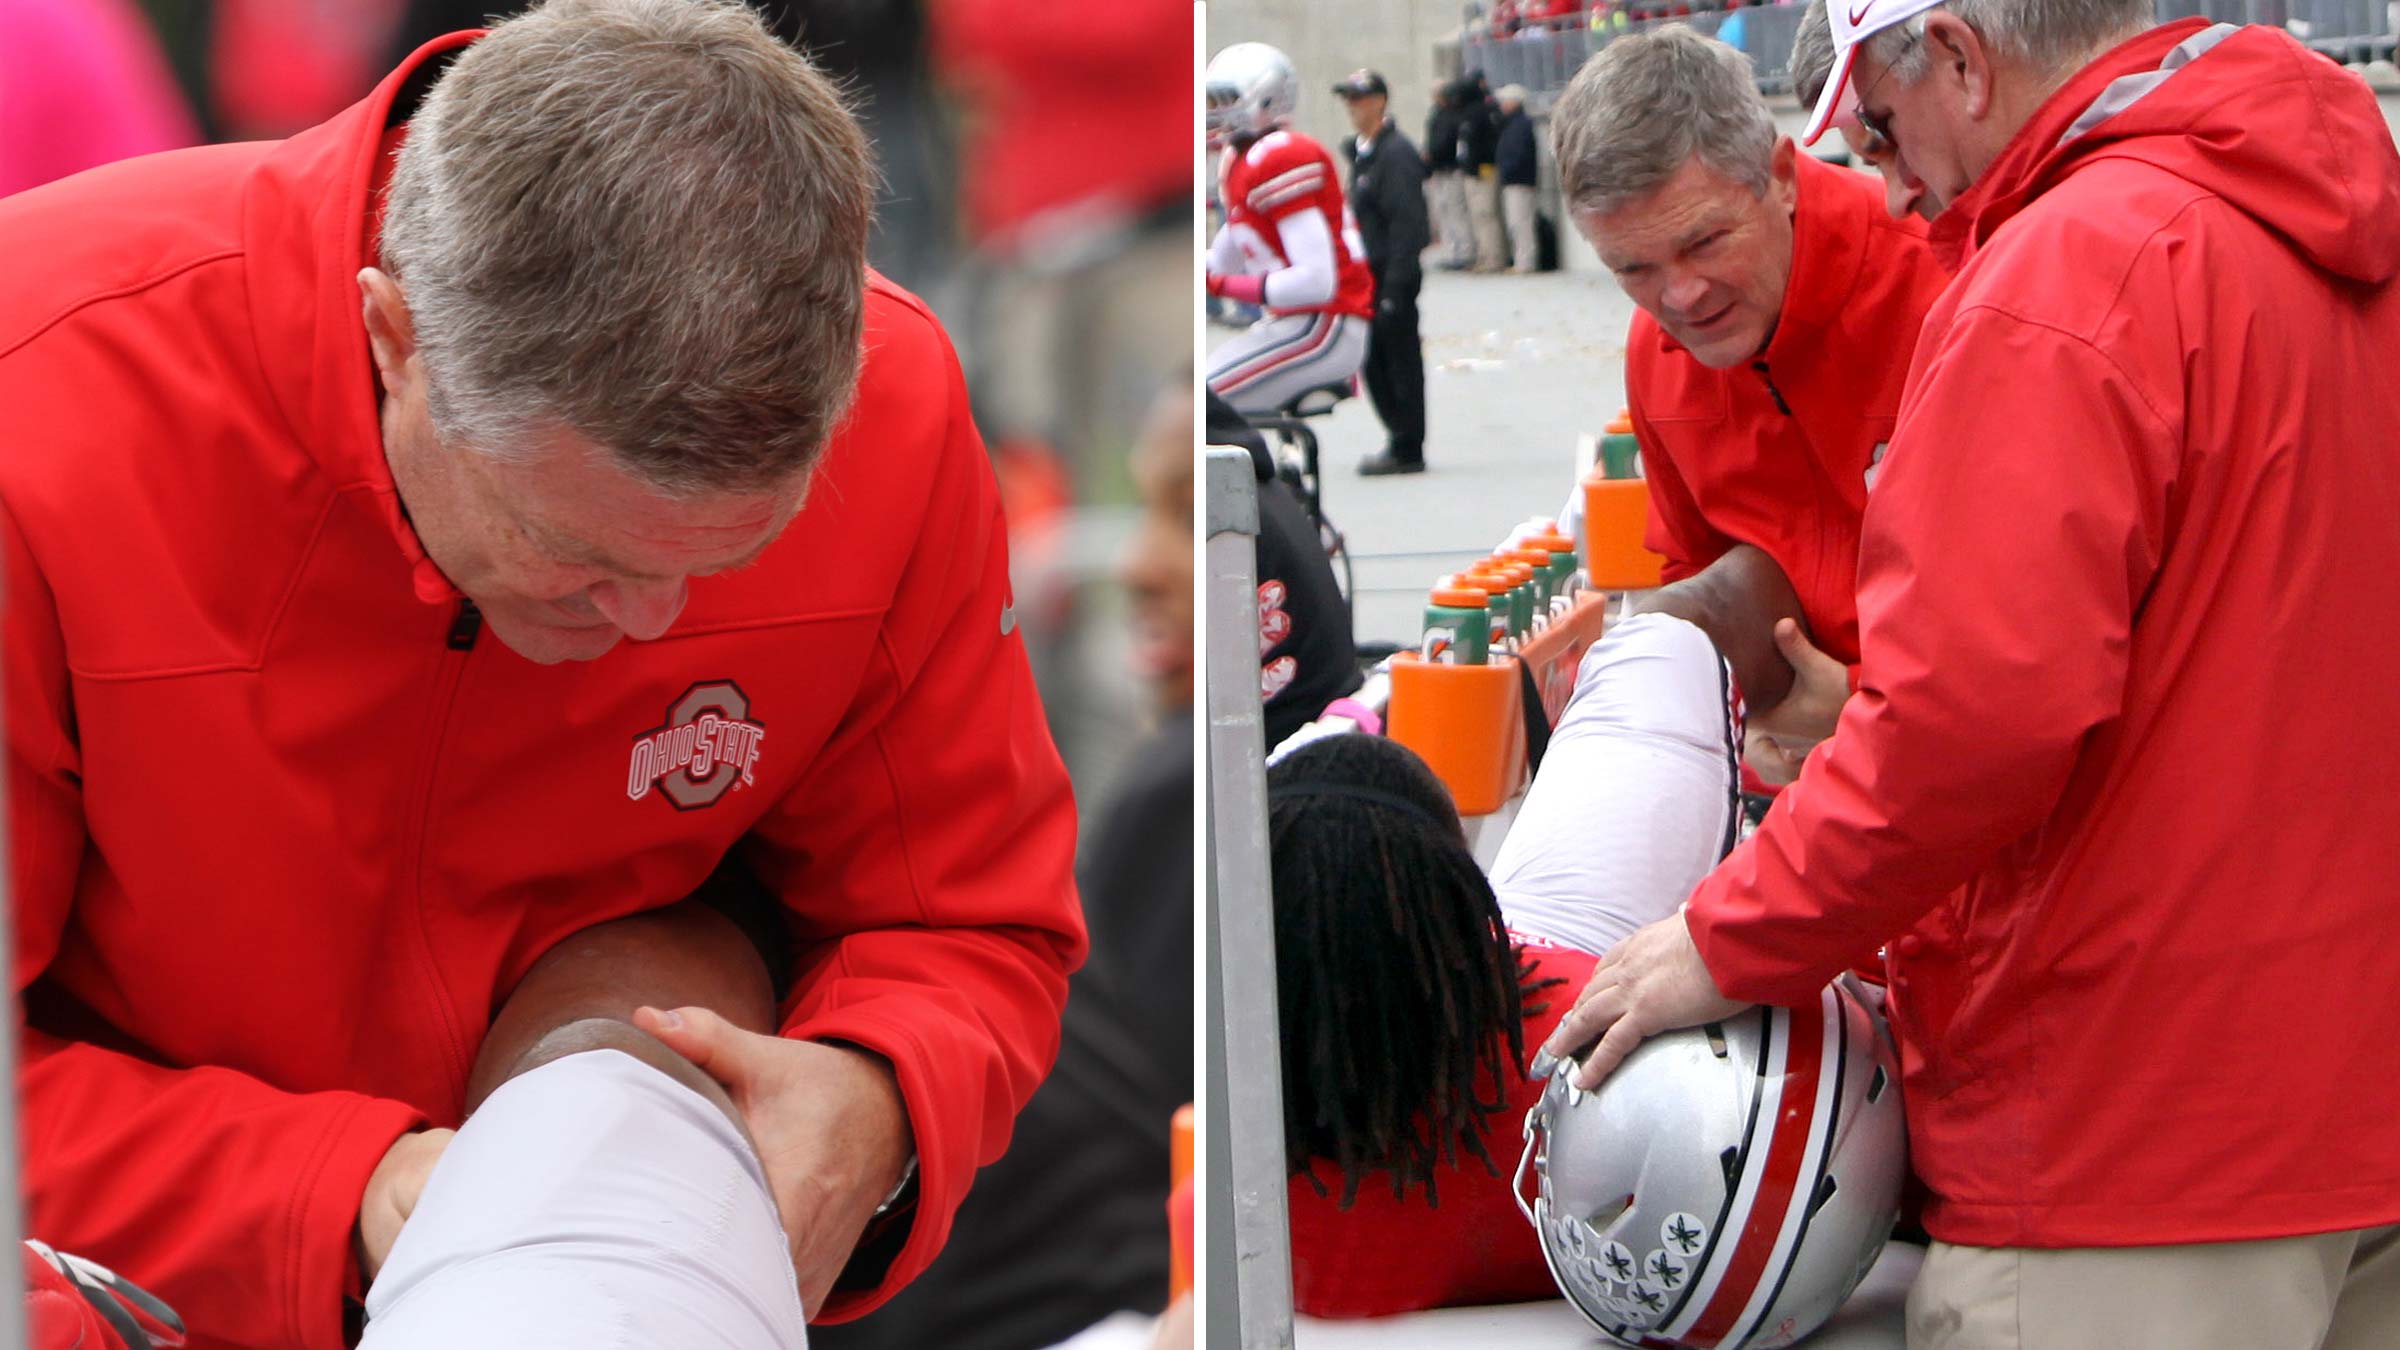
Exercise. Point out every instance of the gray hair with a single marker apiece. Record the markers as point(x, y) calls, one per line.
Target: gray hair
point(2054, 37)
point(644, 221)
point(1812, 55)
point(1647, 103)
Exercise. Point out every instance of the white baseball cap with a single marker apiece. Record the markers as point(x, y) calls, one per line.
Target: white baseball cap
point(1853, 22)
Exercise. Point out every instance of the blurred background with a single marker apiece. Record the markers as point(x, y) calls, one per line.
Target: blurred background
point(1038, 167)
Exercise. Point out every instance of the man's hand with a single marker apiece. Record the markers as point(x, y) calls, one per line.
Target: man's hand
point(1779, 739)
point(1651, 982)
point(831, 1130)
point(392, 1191)
point(1767, 757)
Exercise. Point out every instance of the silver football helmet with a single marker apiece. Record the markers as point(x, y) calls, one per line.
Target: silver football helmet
point(1729, 1185)
point(1251, 91)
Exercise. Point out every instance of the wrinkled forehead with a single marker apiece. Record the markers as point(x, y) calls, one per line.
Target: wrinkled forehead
point(1695, 201)
point(576, 498)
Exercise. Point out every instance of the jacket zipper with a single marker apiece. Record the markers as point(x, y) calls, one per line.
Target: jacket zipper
point(465, 627)
point(1772, 391)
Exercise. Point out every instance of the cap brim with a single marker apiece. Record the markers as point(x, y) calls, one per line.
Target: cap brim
point(1829, 101)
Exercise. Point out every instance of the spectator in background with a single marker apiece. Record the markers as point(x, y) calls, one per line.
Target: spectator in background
point(1520, 172)
point(1445, 185)
point(1069, 1228)
point(82, 82)
point(1479, 149)
point(1387, 196)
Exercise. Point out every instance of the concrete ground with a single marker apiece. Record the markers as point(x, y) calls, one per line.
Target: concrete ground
point(1516, 369)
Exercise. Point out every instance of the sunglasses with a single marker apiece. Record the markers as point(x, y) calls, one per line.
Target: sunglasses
point(1880, 125)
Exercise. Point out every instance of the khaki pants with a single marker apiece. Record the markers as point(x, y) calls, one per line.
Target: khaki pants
point(1446, 198)
point(2327, 1291)
point(1483, 203)
point(1524, 251)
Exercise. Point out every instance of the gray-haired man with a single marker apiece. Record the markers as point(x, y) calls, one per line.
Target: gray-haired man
point(1812, 66)
point(2132, 507)
point(466, 522)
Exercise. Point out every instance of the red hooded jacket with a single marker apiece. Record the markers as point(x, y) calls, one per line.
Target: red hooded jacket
point(1777, 453)
point(285, 823)
point(2126, 611)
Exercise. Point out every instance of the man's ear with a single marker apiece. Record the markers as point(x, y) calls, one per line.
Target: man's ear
point(391, 332)
point(1960, 56)
point(1783, 175)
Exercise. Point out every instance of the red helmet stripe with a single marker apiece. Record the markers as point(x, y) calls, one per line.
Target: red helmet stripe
point(1786, 1159)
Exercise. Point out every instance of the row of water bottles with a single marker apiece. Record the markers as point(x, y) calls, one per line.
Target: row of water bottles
point(1503, 598)
point(1507, 597)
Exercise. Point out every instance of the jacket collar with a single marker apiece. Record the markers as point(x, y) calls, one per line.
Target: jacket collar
point(307, 218)
point(2025, 166)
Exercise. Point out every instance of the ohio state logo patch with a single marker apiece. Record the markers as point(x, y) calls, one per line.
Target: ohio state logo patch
point(707, 748)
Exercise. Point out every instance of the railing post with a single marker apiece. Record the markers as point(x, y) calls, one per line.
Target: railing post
point(1249, 1227)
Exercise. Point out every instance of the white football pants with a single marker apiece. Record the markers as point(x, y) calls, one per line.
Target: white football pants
point(1281, 357)
point(591, 1204)
point(1638, 796)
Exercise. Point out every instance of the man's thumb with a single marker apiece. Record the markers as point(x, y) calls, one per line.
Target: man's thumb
point(711, 1043)
point(1796, 647)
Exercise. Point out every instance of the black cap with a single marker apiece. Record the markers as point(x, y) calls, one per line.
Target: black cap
point(1360, 83)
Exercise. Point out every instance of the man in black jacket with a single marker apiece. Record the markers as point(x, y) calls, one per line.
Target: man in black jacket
point(1519, 173)
point(1479, 153)
point(1445, 181)
point(1387, 195)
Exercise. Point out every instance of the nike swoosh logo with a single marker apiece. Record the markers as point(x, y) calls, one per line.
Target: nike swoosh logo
point(1859, 12)
point(1008, 619)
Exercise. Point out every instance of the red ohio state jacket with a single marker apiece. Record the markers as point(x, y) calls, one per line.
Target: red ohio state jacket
point(2114, 775)
point(1778, 453)
point(285, 822)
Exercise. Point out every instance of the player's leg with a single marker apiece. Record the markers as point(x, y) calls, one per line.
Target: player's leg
point(603, 1193)
point(1638, 794)
point(1284, 356)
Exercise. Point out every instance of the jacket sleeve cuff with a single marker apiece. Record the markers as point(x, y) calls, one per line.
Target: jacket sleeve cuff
point(945, 1166)
point(1730, 925)
point(323, 1256)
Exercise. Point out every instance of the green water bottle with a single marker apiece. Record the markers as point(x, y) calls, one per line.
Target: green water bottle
point(1620, 453)
point(1458, 625)
point(1520, 593)
point(1540, 560)
point(1495, 587)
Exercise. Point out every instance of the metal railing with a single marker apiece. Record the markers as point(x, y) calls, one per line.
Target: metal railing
point(1249, 1265)
point(1543, 56)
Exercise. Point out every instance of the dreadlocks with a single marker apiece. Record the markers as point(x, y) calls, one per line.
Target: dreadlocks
point(1402, 998)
